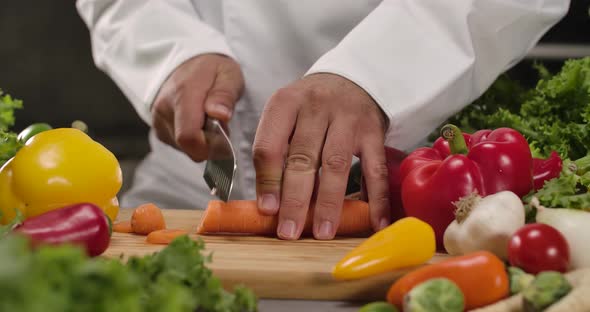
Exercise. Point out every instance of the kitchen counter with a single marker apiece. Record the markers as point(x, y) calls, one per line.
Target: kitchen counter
point(267, 305)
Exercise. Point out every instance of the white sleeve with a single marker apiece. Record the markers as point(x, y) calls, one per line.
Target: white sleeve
point(138, 43)
point(424, 60)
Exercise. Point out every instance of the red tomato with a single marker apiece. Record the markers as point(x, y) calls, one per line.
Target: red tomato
point(539, 247)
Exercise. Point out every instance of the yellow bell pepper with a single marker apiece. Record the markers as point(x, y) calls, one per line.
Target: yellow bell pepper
point(56, 168)
point(407, 242)
point(9, 202)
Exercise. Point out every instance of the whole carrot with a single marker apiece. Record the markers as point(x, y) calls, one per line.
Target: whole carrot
point(480, 275)
point(243, 217)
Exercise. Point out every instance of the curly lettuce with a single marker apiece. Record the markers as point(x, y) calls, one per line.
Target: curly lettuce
point(9, 144)
point(553, 116)
point(63, 278)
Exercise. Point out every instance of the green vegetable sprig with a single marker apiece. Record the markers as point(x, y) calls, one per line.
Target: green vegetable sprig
point(9, 144)
point(570, 190)
point(7, 107)
point(63, 278)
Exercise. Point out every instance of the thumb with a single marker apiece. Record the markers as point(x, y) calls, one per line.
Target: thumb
point(224, 94)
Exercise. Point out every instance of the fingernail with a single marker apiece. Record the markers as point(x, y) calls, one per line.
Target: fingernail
point(268, 204)
point(325, 231)
point(221, 110)
point(287, 229)
point(383, 223)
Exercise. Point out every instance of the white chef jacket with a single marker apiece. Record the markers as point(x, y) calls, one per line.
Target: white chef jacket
point(420, 60)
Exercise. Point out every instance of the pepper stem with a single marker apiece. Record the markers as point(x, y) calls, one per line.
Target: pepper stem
point(454, 136)
point(465, 205)
point(80, 125)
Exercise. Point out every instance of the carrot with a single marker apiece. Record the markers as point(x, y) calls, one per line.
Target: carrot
point(147, 218)
point(123, 227)
point(243, 217)
point(165, 236)
point(480, 275)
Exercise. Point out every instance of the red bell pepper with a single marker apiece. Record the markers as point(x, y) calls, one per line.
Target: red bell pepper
point(81, 224)
point(486, 162)
point(546, 169)
point(543, 169)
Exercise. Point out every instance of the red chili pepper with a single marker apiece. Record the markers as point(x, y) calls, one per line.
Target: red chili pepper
point(486, 162)
point(546, 169)
point(82, 224)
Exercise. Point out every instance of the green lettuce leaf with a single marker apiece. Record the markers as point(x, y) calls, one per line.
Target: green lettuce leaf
point(63, 278)
point(553, 116)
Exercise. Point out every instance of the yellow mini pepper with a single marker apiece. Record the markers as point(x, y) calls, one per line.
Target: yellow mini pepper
point(407, 242)
point(56, 168)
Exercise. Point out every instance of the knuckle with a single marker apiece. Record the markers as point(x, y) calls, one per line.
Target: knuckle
point(163, 136)
point(336, 163)
point(176, 86)
point(318, 94)
point(262, 150)
point(160, 107)
point(301, 162)
point(225, 97)
point(185, 139)
point(268, 181)
point(293, 203)
point(314, 107)
point(381, 201)
point(378, 172)
point(328, 207)
point(284, 95)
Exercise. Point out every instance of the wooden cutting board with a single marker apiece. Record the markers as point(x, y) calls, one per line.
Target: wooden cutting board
point(272, 268)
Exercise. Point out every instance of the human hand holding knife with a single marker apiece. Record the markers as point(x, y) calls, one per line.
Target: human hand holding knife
point(192, 107)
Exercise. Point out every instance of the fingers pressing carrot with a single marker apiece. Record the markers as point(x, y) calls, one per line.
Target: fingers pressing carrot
point(164, 236)
point(243, 217)
point(123, 227)
point(147, 218)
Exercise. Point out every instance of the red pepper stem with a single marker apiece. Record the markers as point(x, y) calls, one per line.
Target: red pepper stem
point(454, 136)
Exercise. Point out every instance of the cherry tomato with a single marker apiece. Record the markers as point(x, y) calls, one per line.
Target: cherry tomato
point(539, 247)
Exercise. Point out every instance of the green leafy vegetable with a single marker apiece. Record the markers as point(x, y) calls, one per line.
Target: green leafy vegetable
point(569, 190)
point(555, 115)
point(9, 144)
point(7, 107)
point(64, 279)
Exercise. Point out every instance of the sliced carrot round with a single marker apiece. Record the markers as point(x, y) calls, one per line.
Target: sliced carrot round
point(147, 218)
point(123, 227)
point(165, 236)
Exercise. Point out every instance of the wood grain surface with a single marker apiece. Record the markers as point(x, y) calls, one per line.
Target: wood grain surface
point(271, 267)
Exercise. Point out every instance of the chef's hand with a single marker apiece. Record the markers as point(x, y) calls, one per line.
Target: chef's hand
point(207, 84)
point(321, 120)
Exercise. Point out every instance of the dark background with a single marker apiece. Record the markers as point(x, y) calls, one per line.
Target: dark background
point(45, 60)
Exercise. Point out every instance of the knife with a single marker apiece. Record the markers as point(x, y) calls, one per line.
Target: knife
point(221, 162)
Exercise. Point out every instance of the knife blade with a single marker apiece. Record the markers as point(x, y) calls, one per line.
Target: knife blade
point(221, 161)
